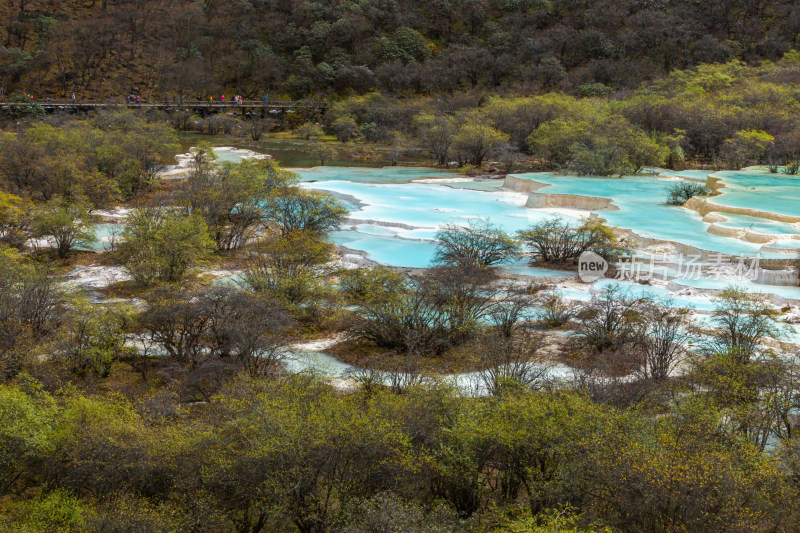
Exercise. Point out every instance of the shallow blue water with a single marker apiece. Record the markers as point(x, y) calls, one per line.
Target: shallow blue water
point(430, 206)
point(643, 209)
point(793, 243)
point(105, 233)
point(634, 290)
point(523, 267)
point(387, 249)
point(693, 174)
point(640, 200)
point(225, 155)
point(759, 225)
point(776, 193)
point(372, 175)
point(791, 293)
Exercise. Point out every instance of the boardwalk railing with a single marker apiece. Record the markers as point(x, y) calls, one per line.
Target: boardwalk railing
point(216, 104)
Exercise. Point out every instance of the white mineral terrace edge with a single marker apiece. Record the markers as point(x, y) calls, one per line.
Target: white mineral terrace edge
point(224, 154)
point(311, 357)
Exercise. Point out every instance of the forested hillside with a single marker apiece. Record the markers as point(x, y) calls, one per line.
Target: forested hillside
point(297, 48)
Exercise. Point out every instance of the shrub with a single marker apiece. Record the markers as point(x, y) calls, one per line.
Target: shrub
point(24, 107)
point(600, 146)
point(323, 151)
point(162, 246)
point(611, 321)
point(31, 309)
point(293, 210)
point(65, 224)
point(229, 197)
point(681, 192)
point(512, 364)
point(746, 147)
point(743, 320)
point(554, 311)
point(556, 241)
point(362, 284)
point(427, 313)
point(589, 90)
point(290, 268)
point(666, 331)
point(95, 339)
point(475, 141)
point(481, 243)
point(13, 220)
point(345, 128)
point(308, 130)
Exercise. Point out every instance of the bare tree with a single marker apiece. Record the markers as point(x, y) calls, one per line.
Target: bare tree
point(32, 307)
point(512, 363)
point(256, 128)
point(323, 151)
point(428, 312)
point(554, 310)
point(436, 134)
point(480, 242)
point(743, 320)
point(664, 337)
point(176, 324)
point(611, 321)
point(508, 312)
point(249, 327)
point(556, 241)
point(397, 374)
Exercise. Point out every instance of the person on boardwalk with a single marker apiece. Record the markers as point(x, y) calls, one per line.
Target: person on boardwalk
point(73, 98)
point(222, 98)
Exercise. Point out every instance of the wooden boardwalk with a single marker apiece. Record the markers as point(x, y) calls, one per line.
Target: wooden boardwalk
point(202, 107)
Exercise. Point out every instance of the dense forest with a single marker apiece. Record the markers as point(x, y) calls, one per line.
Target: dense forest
point(299, 48)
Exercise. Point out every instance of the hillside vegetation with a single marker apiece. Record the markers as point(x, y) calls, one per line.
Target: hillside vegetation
point(299, 47)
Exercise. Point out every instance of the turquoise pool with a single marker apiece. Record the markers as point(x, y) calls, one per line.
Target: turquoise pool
point(776, 193)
